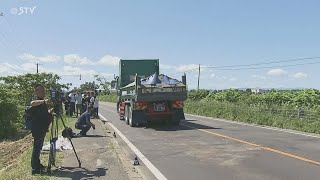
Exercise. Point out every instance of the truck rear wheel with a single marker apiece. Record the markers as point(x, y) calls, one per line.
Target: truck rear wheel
point(126, 114)
point(131, 119)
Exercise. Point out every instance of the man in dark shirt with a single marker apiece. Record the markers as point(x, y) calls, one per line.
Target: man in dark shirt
point(83, 123)
point(40, 116)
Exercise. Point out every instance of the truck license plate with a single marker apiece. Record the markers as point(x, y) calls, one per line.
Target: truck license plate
point(159, 107)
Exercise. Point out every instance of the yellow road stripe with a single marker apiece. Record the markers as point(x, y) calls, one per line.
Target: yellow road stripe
point(260, 146)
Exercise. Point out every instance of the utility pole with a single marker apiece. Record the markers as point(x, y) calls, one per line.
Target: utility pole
point(199, 77)
point(38, 67)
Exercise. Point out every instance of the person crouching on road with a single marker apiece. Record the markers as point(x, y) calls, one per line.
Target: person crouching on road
point(83, 123)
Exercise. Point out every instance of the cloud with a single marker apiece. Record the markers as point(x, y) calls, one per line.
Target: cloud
point(187, 67)
point(32, 58)
point(69, 70)
point(76, 59)
point(166, 66)
point(232, 79)
point(213, 75)
point(182, 67)
point(277, 72)
point(300, 75)
point(109, 60)
point(259, 77)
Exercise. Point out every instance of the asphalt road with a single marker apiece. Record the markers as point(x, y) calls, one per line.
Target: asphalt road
point(203, 148)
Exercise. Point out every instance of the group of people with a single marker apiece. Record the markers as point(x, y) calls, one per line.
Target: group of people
point(77, 103)
point(86, 105)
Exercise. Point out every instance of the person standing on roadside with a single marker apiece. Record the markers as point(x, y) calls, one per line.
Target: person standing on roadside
point(78, 104)
point(96, 107)
point(72, 103)
point(40, 120)
point(84, 104)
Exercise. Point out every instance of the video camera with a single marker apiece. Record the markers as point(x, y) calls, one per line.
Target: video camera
point(56, 99)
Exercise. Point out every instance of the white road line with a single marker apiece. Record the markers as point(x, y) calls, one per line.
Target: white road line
point(259, 126)
point(148, 164)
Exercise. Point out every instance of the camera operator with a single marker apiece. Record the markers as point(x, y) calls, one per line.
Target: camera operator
point(40, 123)
point(84, 123)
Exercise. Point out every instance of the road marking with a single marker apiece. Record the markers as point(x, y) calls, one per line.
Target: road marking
point(144, 159)
point(258, 126)
point(257, 145)
point(246, 124)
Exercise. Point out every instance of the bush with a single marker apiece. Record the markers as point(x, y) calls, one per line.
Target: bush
point(198, 94)
point(11, 112)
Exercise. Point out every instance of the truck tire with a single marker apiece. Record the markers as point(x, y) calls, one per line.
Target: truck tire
point(126, 114)
point(177, 116)
point(131, 119)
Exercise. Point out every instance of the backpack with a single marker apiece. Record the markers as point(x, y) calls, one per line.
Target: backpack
point(28, 118)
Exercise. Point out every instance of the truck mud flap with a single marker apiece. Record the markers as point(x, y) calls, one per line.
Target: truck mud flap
point(139, 118)
point(177, 116)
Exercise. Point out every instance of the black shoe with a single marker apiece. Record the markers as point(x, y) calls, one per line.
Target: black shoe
point(42, 167)
point(38, 171)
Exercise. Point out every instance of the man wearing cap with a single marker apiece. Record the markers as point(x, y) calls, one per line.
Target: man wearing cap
point(83, 123)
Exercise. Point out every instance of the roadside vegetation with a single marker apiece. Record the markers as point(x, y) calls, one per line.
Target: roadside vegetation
point(290, 109)
point(110, 97)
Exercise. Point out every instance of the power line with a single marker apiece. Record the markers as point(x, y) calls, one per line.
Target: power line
point(12, 42)
point(270, 62)
point(13, 30)
point(266, 67)
point(3, 65)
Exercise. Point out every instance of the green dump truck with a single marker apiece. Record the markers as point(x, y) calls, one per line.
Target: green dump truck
point(144, 95)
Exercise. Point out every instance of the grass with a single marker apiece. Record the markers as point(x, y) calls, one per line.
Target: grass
point(108, 98)
point(251, 115)
point(21, 168)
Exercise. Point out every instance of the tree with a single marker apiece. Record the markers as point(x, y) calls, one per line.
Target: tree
point(88, 86)
point(25, 83)
point(104, 83)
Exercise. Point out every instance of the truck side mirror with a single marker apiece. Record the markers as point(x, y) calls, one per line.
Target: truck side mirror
point(138, 79)
point(184, 79)
point(113, 84)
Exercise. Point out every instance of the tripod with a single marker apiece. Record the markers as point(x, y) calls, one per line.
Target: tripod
point(54, 137)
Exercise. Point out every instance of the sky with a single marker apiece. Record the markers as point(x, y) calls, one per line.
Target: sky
point(89, 37)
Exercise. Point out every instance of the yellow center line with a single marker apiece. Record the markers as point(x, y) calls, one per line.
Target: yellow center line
point(257, 145)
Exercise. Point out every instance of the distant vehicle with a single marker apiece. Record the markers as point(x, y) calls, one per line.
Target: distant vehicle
point(144, 95)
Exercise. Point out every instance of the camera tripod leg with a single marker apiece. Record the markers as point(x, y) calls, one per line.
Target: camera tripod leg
point(74, 150)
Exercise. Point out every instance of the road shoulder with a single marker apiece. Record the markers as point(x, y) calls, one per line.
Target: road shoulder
point(101, 158)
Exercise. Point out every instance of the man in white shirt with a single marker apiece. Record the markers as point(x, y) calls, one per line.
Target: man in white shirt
point(72, 103)
point(78, 103)
point(96, 108)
